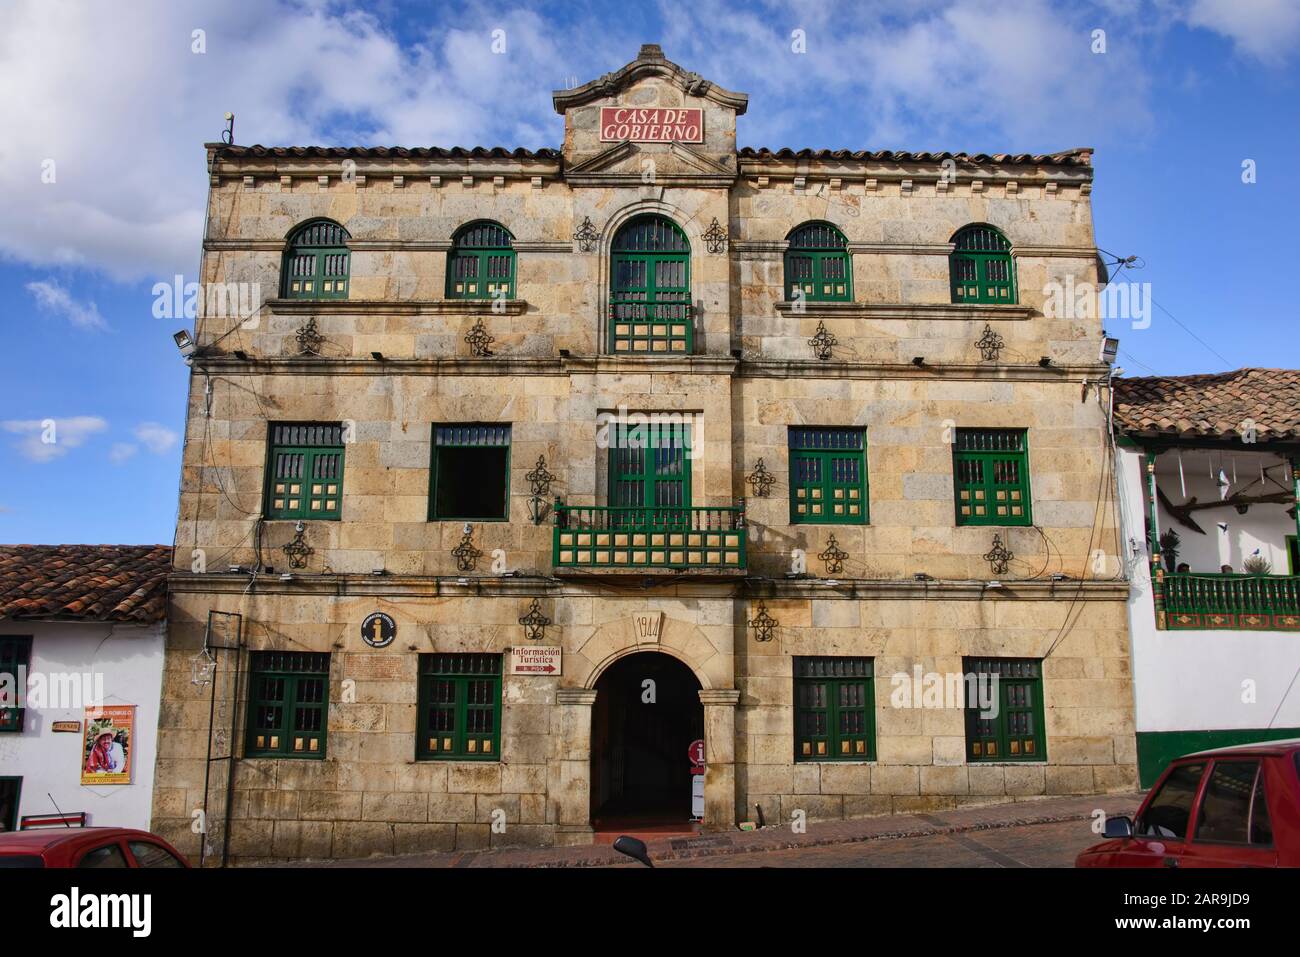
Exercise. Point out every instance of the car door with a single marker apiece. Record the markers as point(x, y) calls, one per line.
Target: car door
point(1233, 826)
point(1162, 826)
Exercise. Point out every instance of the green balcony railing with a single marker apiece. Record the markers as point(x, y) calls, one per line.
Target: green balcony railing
point(606, 537)
point(1242, 602)
point(660, 326)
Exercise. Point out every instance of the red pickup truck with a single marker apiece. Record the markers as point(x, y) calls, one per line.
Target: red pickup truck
point(1230, 807)
point(87, 847)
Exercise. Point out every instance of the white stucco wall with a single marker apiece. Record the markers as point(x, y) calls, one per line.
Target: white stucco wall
point(1195, 680)
point(1263, 527)
point(130, 658)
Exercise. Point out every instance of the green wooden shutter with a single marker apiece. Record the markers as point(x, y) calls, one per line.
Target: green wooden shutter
point(481, 263)
point(1016, 732)
point(650, 288)
point(817, 264)
point(650, 467)
point(317, 262)
point(834, 709)
point(980, 267)
point(828, 476)
point(991, 477)
point(15, 655)
point(459, 710)
point(288, 704)
point(304, 477)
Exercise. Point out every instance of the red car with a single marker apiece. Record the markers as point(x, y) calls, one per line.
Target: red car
point(87, 847)
point(1230, 807)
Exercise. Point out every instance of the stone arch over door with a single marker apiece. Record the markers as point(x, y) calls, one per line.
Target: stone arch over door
point(569, 774)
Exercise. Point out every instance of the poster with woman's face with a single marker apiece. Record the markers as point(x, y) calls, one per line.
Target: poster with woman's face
point(106, 749)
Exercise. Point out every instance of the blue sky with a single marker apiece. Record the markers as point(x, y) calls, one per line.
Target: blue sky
point(105, 109)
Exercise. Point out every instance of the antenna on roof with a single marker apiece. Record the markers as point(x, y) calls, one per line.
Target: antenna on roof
point(66, 822)
point(228, 134)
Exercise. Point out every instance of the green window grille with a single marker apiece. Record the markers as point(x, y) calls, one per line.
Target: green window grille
point(316, 263)
point(650, 466)
point(459, 708)
point(991, 477)
point(650, 288)
point(469, 473)
point(1012, 728)
point(481, 264)
point(817, 264)
point(828, 476)
point(834, 704)
point(15, 659)
point(981, 267)
point(305, 471)
point(288, 704)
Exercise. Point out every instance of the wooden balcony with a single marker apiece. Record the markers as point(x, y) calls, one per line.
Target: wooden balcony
point(1231, 602)
point(609, 538)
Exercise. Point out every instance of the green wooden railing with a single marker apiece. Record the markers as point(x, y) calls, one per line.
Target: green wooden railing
point(664, 325)
point(1246, 602)
point(590, 536)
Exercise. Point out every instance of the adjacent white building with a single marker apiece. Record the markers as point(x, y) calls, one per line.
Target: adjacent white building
point(1207, 467)
point(81, 639)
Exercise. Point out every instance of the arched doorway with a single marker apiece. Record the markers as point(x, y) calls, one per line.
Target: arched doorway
point(646, 714)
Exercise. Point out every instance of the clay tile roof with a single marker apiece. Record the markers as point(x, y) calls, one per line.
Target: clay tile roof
point(1081, 156)
point(1211, 406)
point(381, 152)
point(84, 582)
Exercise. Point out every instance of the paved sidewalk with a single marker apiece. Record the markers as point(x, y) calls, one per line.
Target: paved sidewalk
point(774, 838)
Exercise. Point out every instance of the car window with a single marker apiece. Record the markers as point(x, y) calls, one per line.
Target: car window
point(1261, 826)
point(1170, 810)
point(110, 855)
point(1224, 817)
point(20, 861)
point(152, 855)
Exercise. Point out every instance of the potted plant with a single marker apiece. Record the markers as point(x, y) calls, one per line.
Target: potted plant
point(1257, 565)
point(1169, 542)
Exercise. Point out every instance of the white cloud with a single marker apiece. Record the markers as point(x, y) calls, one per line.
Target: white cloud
point(158, 439)
point(53, 298)
point(44, 440)
point(1266, 29)
point(121, 451)
point(125, 114)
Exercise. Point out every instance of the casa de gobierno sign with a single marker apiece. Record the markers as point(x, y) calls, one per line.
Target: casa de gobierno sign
point(651, 125)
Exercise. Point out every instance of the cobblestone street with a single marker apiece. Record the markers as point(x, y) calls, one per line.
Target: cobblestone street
point(1039, 833)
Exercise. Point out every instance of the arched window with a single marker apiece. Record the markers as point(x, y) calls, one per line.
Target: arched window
point(980, 266)
point(481, 264)
point(817, 264)
point(650, 287)
point(316, 263)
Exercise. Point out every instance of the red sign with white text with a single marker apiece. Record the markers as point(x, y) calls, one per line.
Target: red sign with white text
point(651, 125)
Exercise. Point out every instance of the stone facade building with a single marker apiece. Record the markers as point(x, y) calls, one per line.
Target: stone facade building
point(741, 434)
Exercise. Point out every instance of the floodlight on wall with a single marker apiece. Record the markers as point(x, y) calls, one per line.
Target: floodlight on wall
point(1109, 349)
point(184, 343)
point(1044, 361)
point(918, 360)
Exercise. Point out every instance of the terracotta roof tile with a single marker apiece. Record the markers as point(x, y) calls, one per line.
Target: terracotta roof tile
point(1081, 156)
point(84, 582)
point(380, 152)
point(1211, 406)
